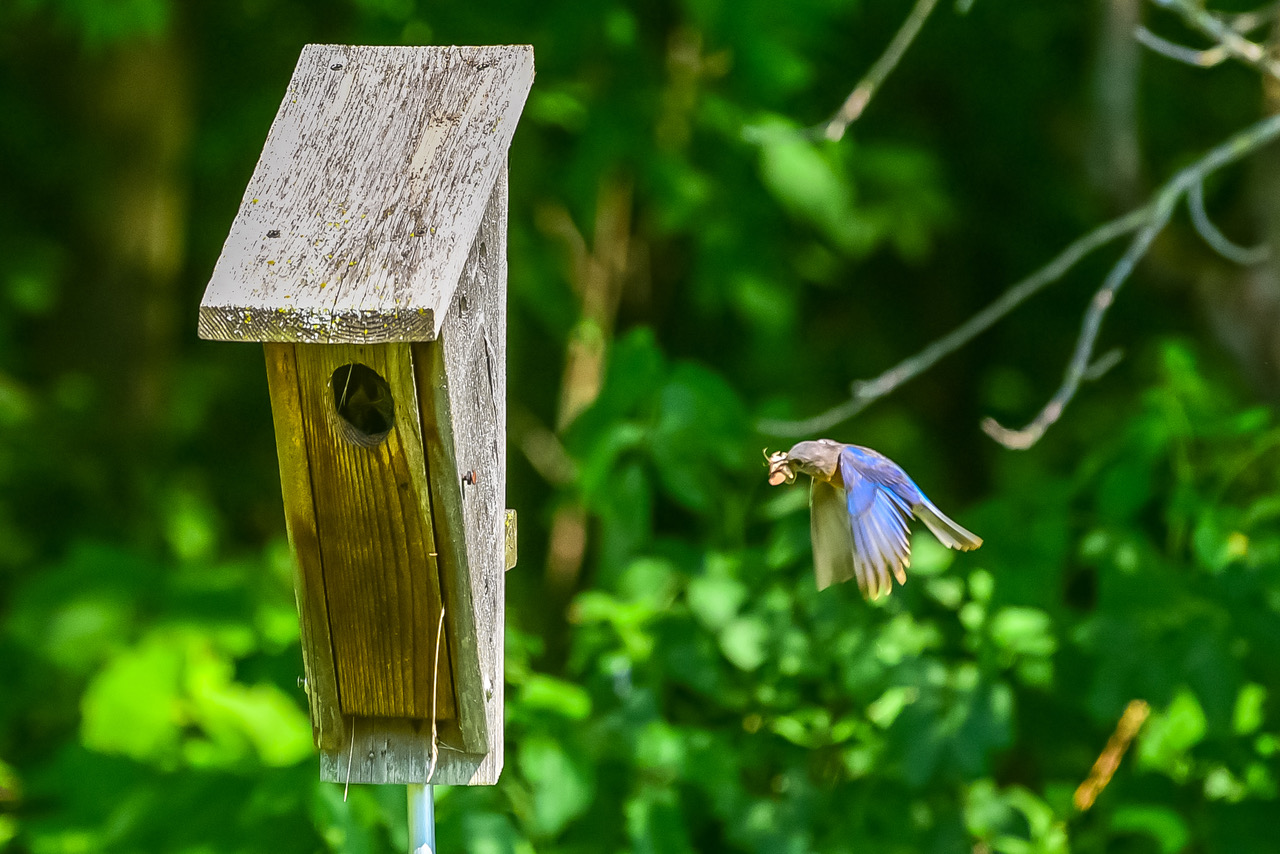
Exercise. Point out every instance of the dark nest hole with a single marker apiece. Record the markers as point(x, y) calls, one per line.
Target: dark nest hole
point(362, 401)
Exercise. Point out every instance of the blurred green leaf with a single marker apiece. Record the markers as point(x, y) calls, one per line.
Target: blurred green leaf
point(560, 787)
point(539, 691)
point(743, 641)
point(173, 697)
point(1168, 736)
point(1162, 824)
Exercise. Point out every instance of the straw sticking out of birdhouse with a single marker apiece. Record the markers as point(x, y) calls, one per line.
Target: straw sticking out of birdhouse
point(350, 759)
point(435, 685)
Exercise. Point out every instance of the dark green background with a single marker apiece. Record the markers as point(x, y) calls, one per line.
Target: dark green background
point(685, 689)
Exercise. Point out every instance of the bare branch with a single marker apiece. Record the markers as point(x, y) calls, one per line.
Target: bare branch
point(1197, 17)
point(1246, 256)
point(1201, 58)
point(1160, 209)
point(866, 392)
point(1103, 363)
point(835, 127)
point(1135, 714)
point(1247, 22)
point(1078, 367)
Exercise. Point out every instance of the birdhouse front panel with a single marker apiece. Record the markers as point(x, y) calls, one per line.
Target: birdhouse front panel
point(373, 517)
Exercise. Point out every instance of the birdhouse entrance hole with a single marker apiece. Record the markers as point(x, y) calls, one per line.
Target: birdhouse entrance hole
point(362, 399)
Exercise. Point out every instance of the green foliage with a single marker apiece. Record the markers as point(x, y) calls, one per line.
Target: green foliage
point(688, 689)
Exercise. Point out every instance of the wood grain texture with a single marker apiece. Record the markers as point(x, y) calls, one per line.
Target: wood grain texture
point(363, 208)
point(327, 722)
point(465, 376)
point(397, 751)
point(377, 547)
point(462, 388)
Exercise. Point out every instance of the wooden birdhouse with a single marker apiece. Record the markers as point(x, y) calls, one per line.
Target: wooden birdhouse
point(369, 255)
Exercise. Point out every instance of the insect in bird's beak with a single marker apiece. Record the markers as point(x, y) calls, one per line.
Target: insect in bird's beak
point(779, 468)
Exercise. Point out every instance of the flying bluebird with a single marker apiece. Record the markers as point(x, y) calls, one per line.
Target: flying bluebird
point(862, 532)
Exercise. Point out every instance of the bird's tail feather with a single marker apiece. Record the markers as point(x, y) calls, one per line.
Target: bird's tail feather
point(948, 532)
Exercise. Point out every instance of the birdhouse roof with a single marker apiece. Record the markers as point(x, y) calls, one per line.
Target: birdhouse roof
point(369, 194)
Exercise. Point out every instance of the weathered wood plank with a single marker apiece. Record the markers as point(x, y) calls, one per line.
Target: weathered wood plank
point(462, 388)
point(474, 343)
point(327, 723)
point(465, 374)
point(377, 546)
point(387, 750)
point(363, 207)
point(474, 340)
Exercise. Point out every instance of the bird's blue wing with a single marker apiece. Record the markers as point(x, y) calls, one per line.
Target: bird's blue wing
point(877, 516)
point(878, 468)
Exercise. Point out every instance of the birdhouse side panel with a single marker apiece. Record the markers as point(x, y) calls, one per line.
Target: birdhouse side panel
point(473, 345)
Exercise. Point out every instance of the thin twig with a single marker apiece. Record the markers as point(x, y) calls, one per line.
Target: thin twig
point(1197, 17)
point(1246, 256)
point(1135, 714)
point(1160, 209)
point(1103, 363)
point(1200, 58)
point(1079, 366)
point(866, 392)
point(1246, 22)
point(835, 127)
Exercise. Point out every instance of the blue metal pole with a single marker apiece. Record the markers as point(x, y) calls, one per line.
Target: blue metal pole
point(422, 819)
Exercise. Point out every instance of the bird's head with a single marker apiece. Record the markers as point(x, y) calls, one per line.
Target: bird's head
point(817, 458)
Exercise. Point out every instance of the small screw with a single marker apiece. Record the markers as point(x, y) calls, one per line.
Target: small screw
point(302, 682)
point(471, 478)
point(275, 232)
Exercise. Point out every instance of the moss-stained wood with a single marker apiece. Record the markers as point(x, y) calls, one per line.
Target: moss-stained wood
point(461, 381)
point(327, 722)
point(464, 374)
point(377, 547)
point(362, 210)
point(510, 532)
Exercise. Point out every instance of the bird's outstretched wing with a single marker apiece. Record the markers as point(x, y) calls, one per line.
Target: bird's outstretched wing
point(832, 537)
point(877, 517)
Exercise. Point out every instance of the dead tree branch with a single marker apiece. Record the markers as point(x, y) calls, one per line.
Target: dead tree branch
point(849, 112)
point(1246, 256)
point(1200, 58)
point(866, 392)
point(1148, 221)
point(1158, 211)
point(1227, 36)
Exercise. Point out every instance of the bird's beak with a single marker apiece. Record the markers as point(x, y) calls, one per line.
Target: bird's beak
point(779, 468)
